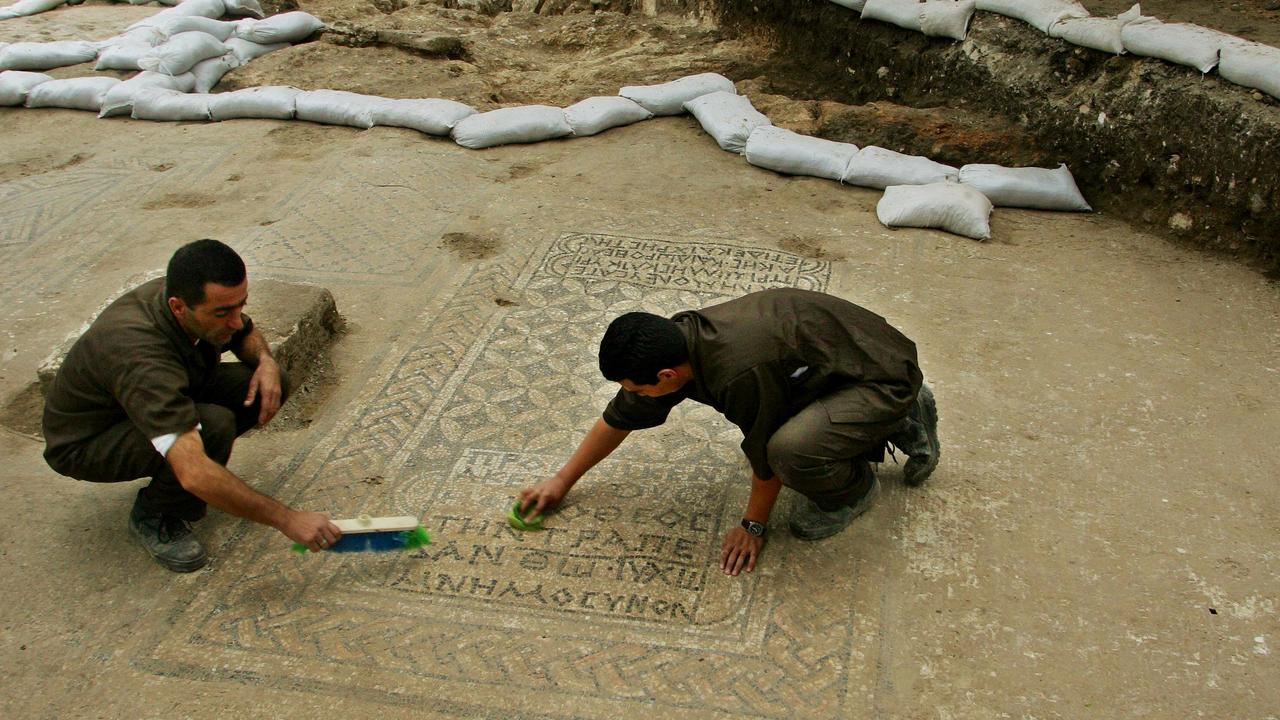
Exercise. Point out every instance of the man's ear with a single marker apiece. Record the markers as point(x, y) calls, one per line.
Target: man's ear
point(177, 307)
point(666, 374)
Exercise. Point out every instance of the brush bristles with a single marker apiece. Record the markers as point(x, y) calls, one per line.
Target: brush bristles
point(379, 541)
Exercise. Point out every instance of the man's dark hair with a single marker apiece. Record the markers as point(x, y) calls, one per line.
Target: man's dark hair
point(637, 345)
point(200, 262)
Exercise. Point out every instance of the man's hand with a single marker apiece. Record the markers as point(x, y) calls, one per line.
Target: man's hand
point(265, 384)
point(543, 496)
point(312, 529)
point(738, 549)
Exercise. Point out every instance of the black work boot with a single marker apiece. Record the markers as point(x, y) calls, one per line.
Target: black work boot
point(168, 538)
point(919, 440)
point(810, 522)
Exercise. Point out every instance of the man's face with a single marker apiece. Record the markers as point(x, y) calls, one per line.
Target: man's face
point(668, 382)
point(217, 318)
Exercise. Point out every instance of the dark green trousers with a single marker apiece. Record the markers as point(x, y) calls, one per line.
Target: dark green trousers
point(124, 453)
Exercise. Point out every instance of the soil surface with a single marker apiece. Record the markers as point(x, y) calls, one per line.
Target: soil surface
point(1098, 541)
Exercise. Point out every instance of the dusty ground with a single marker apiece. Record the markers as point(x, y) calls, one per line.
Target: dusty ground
point(1098, 541)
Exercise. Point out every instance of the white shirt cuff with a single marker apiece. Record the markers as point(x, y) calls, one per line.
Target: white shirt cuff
point(164, 443)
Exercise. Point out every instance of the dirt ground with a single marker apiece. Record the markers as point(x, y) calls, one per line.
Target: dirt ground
point(1099, 540)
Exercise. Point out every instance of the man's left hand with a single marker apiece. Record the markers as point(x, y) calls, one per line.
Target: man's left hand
point(739, 550)
point(265, 385)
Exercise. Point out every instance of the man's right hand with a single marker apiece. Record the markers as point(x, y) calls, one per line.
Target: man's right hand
point(312, 529)
point(541, 497)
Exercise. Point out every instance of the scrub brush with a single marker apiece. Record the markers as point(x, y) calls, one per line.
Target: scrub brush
point(377, 534)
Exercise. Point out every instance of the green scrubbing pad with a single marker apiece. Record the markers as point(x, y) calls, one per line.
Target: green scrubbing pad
point(515, 521)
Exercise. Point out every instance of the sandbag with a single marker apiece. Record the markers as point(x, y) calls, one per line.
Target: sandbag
point(1252, 65)
point(122, 55)
point(170, 105)
point(597, 114)
point(788, 152)
point(946, 18)
point(669, 98)
point(119, 99)
point(727, 117)
point(947, 206)
point(208, 73)
point(220, 29)
point(1180, 43)
point(46, 55)
point(851, 4)
point(15, 84)
point(1097, 33)
point(246, 50)
point(876, 167)
point(505, 126)
point(82, 93)
point(903, 13)
point(430, 116)
point(23, 8)
point(1027, 187)
point(337, 107)
point(272, 102)
point(181, 52)
point(240, 8)
point(290, 27)
point(1040, 14)
point(204, 8)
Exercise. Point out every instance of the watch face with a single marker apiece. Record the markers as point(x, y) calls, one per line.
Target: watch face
point(753, 528)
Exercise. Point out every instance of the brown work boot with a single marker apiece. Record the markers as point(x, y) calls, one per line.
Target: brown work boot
point(810, 522)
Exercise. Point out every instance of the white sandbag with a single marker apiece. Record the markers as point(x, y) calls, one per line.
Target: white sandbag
point(220, 29)
point(122, 55)
point(337, 107)
point(272, 102)
point(876, 167)
point(170, 106)
point(28, 7)
point(788, 152)
point(506, 126)
point(15, 84)
point(1252, 65)
point(251, 8)
point(181, 52)
point(947, 206)
point(727, 117)
point(851, 4)
point(597, 114)
point(204, 8)
point(46, 55)
point(1096, 32)
point(246, 50)
point(82, 93)
point(1180, 43)
point(431, 116)
point(669, 98)
point(903, 13)
point(290, 27)
point(1040, 14)
point(1027, 187)
point(208, 73)
point(946, 18)
point(119, 99)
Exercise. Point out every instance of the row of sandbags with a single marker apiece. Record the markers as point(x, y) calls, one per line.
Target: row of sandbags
point(918, 191)
point(22, 8)
point(1250, 64)
point(171, 44)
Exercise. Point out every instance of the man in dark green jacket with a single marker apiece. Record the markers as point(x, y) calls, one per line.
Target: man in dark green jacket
point(817, 385)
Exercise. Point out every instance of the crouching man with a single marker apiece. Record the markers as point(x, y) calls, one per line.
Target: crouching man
point(817, 385)
point(143, 393)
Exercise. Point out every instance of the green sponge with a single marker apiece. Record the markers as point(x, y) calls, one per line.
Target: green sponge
point(515, 521)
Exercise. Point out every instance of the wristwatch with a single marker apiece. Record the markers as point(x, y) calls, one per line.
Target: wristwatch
point(754, 528)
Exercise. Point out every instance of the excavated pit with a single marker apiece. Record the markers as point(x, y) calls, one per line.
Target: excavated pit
point(1191, 157)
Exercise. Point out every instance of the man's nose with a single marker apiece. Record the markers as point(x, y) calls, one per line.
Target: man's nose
point(234, 321)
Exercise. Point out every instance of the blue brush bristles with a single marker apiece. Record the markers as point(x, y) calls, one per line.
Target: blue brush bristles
point(377, 541)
